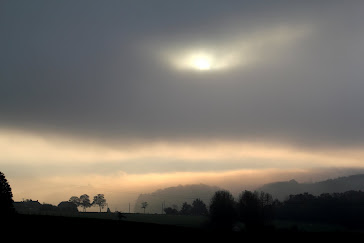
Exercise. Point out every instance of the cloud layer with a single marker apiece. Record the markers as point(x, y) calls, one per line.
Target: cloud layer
point(94, 70)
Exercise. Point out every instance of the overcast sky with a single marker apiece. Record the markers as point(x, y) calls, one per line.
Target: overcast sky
point(175, 92)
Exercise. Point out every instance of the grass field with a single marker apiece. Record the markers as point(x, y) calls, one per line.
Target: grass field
point(179, 220)
point(200, 222)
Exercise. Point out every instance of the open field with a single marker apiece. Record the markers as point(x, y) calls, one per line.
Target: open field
point(177, 220)
point(47, 226)
point(200, 222)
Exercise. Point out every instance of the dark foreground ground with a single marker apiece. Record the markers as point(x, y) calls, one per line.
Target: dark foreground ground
point(33, 227)
point(71, 229)
point(76, 224)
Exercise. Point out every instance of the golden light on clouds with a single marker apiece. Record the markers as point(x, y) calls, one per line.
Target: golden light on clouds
point(121, 188)
point(20, 147)
point(44, 151)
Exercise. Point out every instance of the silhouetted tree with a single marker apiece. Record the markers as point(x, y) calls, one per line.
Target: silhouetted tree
point(223, 210)
point(75, 200)
point(99, 200)
point(249, 209)
point(144, 205)
point(255, 209)
point(6, 198)
point(199, 207)
point(175, 206)
point(186, 209)
point(85, 202)
point(171, 211)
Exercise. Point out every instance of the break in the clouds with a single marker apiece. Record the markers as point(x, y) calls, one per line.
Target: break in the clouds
point(163, 87)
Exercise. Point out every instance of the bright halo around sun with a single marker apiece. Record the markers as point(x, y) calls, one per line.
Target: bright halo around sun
point(197, 61)
point(201, 63)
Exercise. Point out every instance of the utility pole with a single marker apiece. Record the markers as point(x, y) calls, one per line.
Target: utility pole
point(129, 207)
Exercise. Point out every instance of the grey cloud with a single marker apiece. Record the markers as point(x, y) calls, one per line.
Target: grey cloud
point(80, 68)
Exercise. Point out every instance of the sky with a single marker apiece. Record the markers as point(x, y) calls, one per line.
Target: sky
point(126, 97)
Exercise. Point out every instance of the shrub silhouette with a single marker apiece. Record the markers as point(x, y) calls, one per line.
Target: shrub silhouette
point(199, 207)
point(186, 209)
point(171, 211)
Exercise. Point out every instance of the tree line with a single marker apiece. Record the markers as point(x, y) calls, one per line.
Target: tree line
point(257, 210)
point(28, 206)
point(198, 207)
point(254, 209)
point(85, 202)
point(346, 208)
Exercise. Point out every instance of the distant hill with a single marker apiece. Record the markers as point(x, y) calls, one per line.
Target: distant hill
point(281, 190)
point(174, 196)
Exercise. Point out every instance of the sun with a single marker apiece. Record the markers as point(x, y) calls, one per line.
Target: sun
point(201, 63)
point(198, 61)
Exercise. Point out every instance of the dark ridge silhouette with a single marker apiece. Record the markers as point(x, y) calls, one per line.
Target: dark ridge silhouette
point(67, 207)
point(29, 206)
point(281, 190)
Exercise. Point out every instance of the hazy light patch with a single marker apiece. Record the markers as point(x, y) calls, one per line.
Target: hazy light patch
point(204, 60)
point(237, 50)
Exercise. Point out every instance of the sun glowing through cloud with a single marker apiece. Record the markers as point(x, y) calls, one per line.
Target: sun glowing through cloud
point(202, 63)
point(195, 60)
point(240, 50)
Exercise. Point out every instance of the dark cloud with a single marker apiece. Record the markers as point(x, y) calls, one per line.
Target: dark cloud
point(87, 68)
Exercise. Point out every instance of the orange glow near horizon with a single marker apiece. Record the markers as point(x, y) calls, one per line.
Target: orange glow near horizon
point(281, 162)
point(17, 147)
